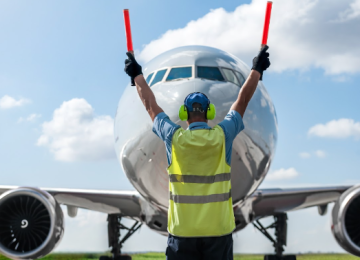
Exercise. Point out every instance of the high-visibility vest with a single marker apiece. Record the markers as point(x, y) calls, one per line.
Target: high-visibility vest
point(200, 202)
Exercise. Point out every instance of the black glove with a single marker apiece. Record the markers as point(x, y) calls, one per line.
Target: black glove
point(261, 62)
point(132, 68)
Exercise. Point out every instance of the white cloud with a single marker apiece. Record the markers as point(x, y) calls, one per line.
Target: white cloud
point(301, 35)
point(352, 12)
point(282, 174)
point(76, 134)
point(7, 102)
point(341, 128)
point(317, 153)
point(305, 155)
point(30, 118)
point(320, 154)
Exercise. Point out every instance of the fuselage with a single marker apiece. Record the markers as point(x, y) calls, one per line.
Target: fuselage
point(182, 71)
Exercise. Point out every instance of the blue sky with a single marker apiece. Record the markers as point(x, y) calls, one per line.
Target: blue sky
point(56, 51)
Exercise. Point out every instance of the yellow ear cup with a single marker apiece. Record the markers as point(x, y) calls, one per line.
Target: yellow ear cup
point(183, 115)
point(211, 112)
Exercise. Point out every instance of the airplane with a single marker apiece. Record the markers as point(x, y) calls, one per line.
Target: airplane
point(32, 222)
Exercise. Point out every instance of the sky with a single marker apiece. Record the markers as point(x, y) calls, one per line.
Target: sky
point(63, 60)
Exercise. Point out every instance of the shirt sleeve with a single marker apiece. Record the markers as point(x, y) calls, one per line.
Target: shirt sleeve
point(164, 128)
point(232, 125)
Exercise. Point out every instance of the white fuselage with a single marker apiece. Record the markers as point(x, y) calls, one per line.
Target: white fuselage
point(142, 154)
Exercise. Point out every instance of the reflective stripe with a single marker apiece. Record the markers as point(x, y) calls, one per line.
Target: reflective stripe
point(200, 199)
point(200, 179)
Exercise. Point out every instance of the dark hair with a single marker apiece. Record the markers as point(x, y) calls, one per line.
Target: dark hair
point(198, 112)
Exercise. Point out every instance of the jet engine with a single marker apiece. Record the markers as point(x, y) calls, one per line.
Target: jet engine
point(346, 220)
point(31, 223)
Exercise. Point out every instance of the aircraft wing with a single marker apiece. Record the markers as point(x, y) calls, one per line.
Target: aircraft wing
point(128, 203)
point(267, 202)
point(264, 202)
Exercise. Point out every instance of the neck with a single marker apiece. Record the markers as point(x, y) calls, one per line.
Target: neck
point(196, 120)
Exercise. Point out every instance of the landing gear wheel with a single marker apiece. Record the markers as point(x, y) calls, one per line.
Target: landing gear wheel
point(280, 226)
point(114, 227)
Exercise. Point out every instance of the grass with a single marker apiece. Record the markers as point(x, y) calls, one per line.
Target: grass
point(161, 256)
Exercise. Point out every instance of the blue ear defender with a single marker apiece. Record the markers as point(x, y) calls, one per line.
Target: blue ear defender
point(210, 111)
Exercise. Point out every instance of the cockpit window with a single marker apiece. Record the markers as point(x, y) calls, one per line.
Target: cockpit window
point(149, 78)
point(230, 76)
point(179, 73)
point(212, 73)
point(158, 77)
point(240, 77)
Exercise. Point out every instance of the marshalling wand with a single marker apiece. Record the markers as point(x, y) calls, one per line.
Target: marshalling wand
point(129, 43)
point(266, 26)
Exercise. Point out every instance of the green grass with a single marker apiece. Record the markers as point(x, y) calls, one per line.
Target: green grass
point(66, 257)
point(327, 257)
point(161, 256)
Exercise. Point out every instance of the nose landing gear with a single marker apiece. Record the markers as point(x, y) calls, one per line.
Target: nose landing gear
point(280, 226)
point(114, 227)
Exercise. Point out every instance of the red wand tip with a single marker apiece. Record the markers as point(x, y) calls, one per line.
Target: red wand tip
point(128, 30)
point(266, 23)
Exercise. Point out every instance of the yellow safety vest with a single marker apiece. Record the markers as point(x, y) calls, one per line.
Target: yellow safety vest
point(200, 185)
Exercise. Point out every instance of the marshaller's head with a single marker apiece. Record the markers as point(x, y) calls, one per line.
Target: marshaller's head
point(197, 102)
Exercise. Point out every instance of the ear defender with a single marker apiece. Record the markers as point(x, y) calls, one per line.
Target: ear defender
point(197, 97)
point(183, 115)
point(211, 112)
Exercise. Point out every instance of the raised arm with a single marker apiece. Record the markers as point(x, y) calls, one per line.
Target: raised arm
point(260, 63)
point(133, 69)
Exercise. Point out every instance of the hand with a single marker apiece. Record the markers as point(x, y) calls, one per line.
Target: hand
point(261, 62)
point(132, 68)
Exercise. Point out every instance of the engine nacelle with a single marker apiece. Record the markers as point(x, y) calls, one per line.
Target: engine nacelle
point(346, 220)
point(31, 223)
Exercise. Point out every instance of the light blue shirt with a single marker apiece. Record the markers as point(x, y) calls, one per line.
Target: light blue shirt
point(232, 125)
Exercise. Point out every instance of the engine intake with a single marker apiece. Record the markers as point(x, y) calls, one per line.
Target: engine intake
point(346, 220)
point(31, 223)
